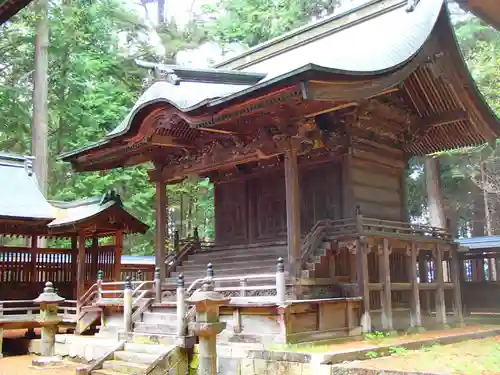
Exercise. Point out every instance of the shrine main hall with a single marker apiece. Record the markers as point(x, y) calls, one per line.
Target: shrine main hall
point(306, 139)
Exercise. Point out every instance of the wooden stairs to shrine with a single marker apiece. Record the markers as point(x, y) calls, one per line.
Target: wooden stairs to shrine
point(230, 261)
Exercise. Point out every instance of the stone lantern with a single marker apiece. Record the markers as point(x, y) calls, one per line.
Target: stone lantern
point(49, 319)
point(207, 325)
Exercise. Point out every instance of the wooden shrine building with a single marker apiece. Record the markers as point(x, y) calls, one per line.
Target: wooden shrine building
point(486, 10)
point(9, 8)
point(88, 236)
point(306, 139)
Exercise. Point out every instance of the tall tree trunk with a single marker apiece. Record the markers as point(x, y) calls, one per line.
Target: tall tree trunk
point(161, 12)
point(487, 212)
point(435, 200)
point(39, 125)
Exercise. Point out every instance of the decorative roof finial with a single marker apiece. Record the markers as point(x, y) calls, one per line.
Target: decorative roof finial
point(411, 5)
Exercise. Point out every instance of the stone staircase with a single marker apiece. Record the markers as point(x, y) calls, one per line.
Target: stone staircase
point(231, 261)
point(134, 359)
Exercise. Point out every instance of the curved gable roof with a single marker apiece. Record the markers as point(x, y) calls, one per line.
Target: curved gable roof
point(372, 47)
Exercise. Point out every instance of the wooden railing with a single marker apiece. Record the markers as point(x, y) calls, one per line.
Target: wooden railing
point(27, 310)
point(366, 226)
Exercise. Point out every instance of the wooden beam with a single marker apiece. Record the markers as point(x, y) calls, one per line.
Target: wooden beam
point(161, 227)
point(385, 279)
point(440, 300)
point(415, 312)
point(363, 283)
point(118, 254)
point(34, 253)
point(167, 141)
point(445, 118)
point(80, 272)
point(456, 271)
point(290, 147)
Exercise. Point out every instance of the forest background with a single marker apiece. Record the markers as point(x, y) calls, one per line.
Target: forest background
point(94, 81)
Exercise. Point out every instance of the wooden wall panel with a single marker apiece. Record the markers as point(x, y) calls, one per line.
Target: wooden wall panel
point(376, 178)
point(254, 209)
point(231, 221)
point(268, 201)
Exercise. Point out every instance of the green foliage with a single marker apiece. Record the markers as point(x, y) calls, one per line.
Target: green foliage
point(93, 83)
point(371, 354)
point(251, 22)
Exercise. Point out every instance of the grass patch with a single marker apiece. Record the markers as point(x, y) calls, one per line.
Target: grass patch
point(473, 357)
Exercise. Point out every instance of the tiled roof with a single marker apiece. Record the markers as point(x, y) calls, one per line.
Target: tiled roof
point(20, 195)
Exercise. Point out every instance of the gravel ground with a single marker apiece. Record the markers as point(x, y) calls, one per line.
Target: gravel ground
point(21, 365)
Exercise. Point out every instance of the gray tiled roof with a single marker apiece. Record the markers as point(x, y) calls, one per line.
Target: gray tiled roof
point(372, 39)
point(482, 242)
point(20, 195)
point(74, 212)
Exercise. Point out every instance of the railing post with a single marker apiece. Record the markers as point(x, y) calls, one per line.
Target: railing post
point(181, 305)
point(243, 285)
point(100, 275)
point(157, 285)
point(280, 282)
point(176, 241)
point(127, 305)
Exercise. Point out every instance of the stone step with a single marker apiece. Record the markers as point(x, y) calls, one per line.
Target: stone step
point(238, 269)
point(145, 348)
point(159, 317)
point(148, 338)
point(246, 246)
point(202, 267)
point(168, 310)
point(125, 367)
point(135, 357)
point(106, 372)
point(160, 328)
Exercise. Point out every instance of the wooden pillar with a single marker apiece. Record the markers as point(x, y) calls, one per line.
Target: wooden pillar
point(290, 147)
point(363, 283)
point(80, 271)
point(118, 255)
point(94, 251)
point(348, 202)
point(74, 262)
point(34, 253)
point(161, 227)
point(385, 280)
point(423, 270)
point(456, 276)
point(440, 301)
point(415, 313)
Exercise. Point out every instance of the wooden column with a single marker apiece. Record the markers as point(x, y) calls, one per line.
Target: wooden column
point(94, 250)
point(80, 271)
point(385, 280)
point(363, 283)
point(34, 252)
point(74, 262)
point(423, 270)
point(118, 254)
point(440, 301)
point(456, 276)
point(161, 227)
point(415, 313)
point(290, 146)
point(348, 202)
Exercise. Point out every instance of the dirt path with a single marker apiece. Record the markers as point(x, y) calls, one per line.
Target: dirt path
point(21, 365)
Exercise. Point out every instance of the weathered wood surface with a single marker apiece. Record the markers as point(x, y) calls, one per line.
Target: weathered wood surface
point(253, 210)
